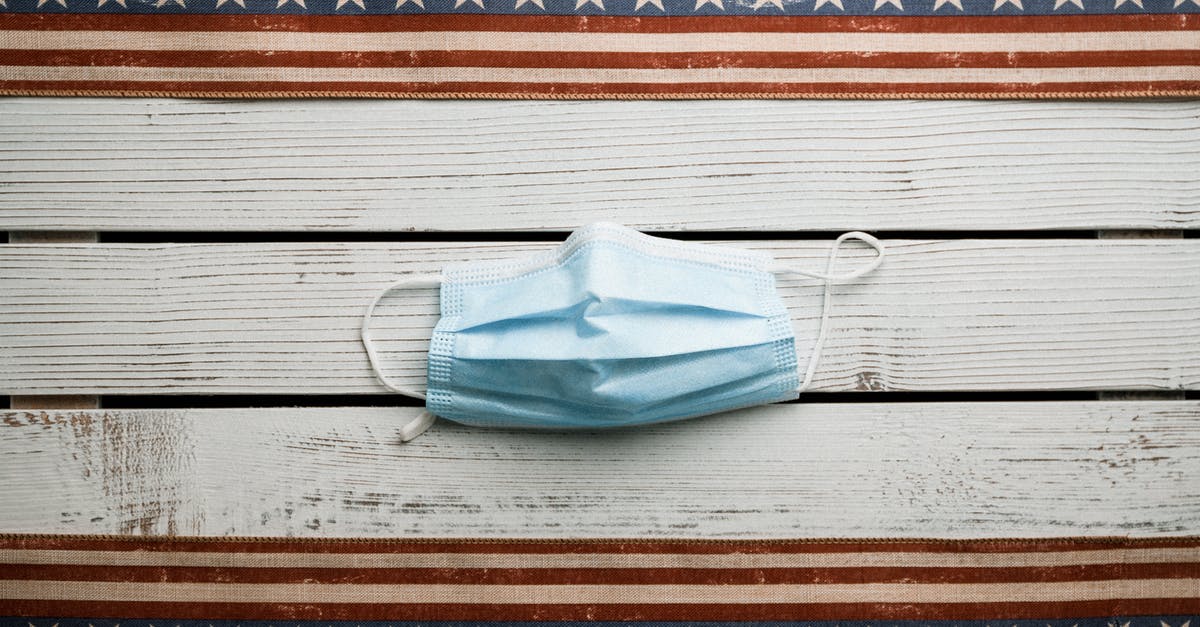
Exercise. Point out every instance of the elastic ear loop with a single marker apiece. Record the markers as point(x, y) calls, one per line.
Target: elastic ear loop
point(422, 422)
point(829, 279)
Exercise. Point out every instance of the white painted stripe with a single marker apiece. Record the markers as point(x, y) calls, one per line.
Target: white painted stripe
point(582, 594)
point(603, 42)
point(603, 560)
point(603, 75)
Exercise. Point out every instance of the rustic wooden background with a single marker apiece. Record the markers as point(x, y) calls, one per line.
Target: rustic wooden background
point(184, 280)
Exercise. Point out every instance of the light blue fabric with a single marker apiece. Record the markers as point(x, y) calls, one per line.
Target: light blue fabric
point(613, 328)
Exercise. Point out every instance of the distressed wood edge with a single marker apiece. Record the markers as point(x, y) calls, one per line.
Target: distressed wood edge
point(54, 401)
point(1140, 233)
point(53, 237)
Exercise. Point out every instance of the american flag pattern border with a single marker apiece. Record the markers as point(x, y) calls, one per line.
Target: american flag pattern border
point(1136, 621)
point(1063, 581)
point(621, 49)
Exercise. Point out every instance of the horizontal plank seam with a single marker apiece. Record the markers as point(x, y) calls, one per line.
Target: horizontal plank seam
point(282, 236)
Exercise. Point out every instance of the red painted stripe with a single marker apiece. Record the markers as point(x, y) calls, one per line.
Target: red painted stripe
point(583, 546)
point(749, 611)
point(563, 576)
point(599, 23)
point(1112, 89)
point(566, 59)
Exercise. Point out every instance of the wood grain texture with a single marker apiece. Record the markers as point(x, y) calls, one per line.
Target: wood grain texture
point(324, 165)
point(284, 317)
point(56, 401)
point(800, 470)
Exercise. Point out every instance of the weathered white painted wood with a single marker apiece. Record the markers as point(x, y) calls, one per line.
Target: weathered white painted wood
point(861, 470)
point(156, 164)
point(56, 401)
point(284, 317)
point(1141, 395)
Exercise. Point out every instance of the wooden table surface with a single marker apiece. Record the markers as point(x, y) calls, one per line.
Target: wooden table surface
point(184, 281)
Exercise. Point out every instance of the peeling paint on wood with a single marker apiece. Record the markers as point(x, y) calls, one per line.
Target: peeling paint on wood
point(808, 470)
point(130, 476)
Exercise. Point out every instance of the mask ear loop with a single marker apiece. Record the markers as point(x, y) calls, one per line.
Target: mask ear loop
point(422, 422)
point(830, 279)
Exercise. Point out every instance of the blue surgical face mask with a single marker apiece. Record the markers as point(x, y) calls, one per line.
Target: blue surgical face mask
point(613, 328)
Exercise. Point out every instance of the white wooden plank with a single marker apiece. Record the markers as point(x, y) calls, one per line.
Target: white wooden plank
point(1141, 395)
point(284, 317)
point(120, 164)
point(808, 470)
point(58, 401)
